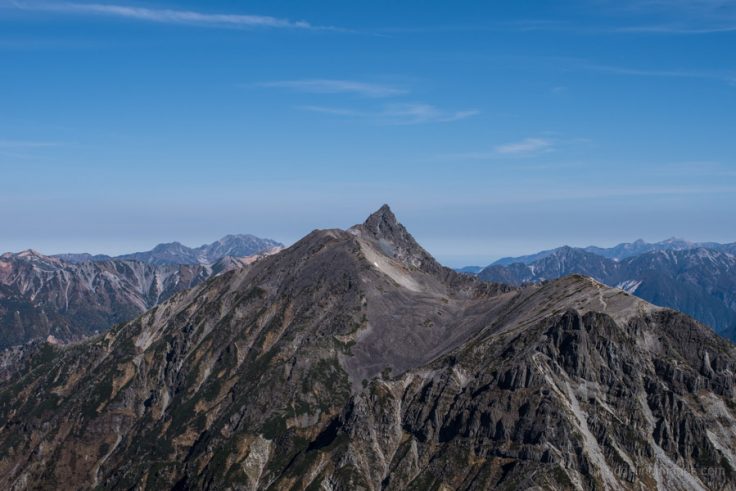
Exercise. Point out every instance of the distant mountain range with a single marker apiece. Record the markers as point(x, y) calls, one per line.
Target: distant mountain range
point(177, 253)
point(624, 250)
point(42, 296)
point(695, 278)
point(71, 296)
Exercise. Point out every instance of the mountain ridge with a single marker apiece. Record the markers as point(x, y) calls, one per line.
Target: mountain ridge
point(42, 296)
point(349, 360)
point(234, 245)
point(698, 281)
point(623, 250)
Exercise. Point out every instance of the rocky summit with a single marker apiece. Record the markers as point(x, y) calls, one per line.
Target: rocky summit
point(353, 360)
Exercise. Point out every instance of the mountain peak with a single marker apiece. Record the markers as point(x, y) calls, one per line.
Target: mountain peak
point(30, 254)
point(168, 245)
point(395, 241)
point(343, 350)
point(677, 241)
point(382, 225)
point(381, 221)
point(233, 238)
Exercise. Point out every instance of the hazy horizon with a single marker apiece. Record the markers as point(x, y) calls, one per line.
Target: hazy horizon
point(491, 129)
point(444, 249)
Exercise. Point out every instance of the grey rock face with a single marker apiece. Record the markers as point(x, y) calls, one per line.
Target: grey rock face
point(351, 360)
point(42, 296)
point(699, 281)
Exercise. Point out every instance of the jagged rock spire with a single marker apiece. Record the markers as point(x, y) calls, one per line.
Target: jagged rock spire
point(383, 224)
point(396, 241)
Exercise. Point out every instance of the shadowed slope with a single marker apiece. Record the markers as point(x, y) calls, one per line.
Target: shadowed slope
point(269, 378)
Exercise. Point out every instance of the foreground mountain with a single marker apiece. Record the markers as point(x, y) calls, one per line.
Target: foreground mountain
point(699, 281)
point(177, 253)
point(352, 360)
point(42, 296)
point(623, 250)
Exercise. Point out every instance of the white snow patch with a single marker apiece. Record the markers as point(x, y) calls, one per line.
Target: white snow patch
point(629, 286)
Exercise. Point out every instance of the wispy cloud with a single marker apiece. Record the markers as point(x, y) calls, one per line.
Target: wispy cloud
point(396, 113)
point(568, 64)
point(704, 168)
point(331, 86)
point(165, 16)
point(24, 149)
point(694, 8)
point(687, 17)
point(641, 72)
point(16, 144)
point(399, 114)
point(337, 111)
point(687, 27)
point(527, 146)
point(676, 29)
point(424, 113)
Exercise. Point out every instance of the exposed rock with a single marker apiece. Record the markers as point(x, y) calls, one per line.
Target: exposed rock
point(696, 280)
point(44, 297)
point(351, 360)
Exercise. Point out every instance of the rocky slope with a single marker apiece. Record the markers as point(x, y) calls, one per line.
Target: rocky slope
point(176, 253)
point(42, 296)
point(352, 360)
point(699, 281)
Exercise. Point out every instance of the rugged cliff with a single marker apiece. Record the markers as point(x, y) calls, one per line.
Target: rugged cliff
point(353, 360)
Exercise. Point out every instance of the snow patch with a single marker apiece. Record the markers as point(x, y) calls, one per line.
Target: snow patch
point(629, 286)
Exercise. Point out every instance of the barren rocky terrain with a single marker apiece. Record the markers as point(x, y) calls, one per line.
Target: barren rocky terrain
point(353, 360)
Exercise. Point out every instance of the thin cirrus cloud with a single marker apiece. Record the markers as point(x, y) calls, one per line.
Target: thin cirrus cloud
point(331, 86)
point(27, 144)
point(398, 114)
point(724, 75)
point(688, 27)
point(687, 17)
point(24, 149)
point(676, 29)
point(527, 146)
point(165, 16)
point(638, 72)
point(705, 9)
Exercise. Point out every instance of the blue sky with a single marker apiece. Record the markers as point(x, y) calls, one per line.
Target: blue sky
point(492, 128)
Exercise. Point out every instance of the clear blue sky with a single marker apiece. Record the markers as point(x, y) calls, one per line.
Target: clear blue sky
point(492, 128)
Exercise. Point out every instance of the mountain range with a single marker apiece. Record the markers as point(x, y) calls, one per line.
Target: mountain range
point(625, 250)
point(176, 253)
point(69, 297)
point(695, 279)
point(353, 360)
